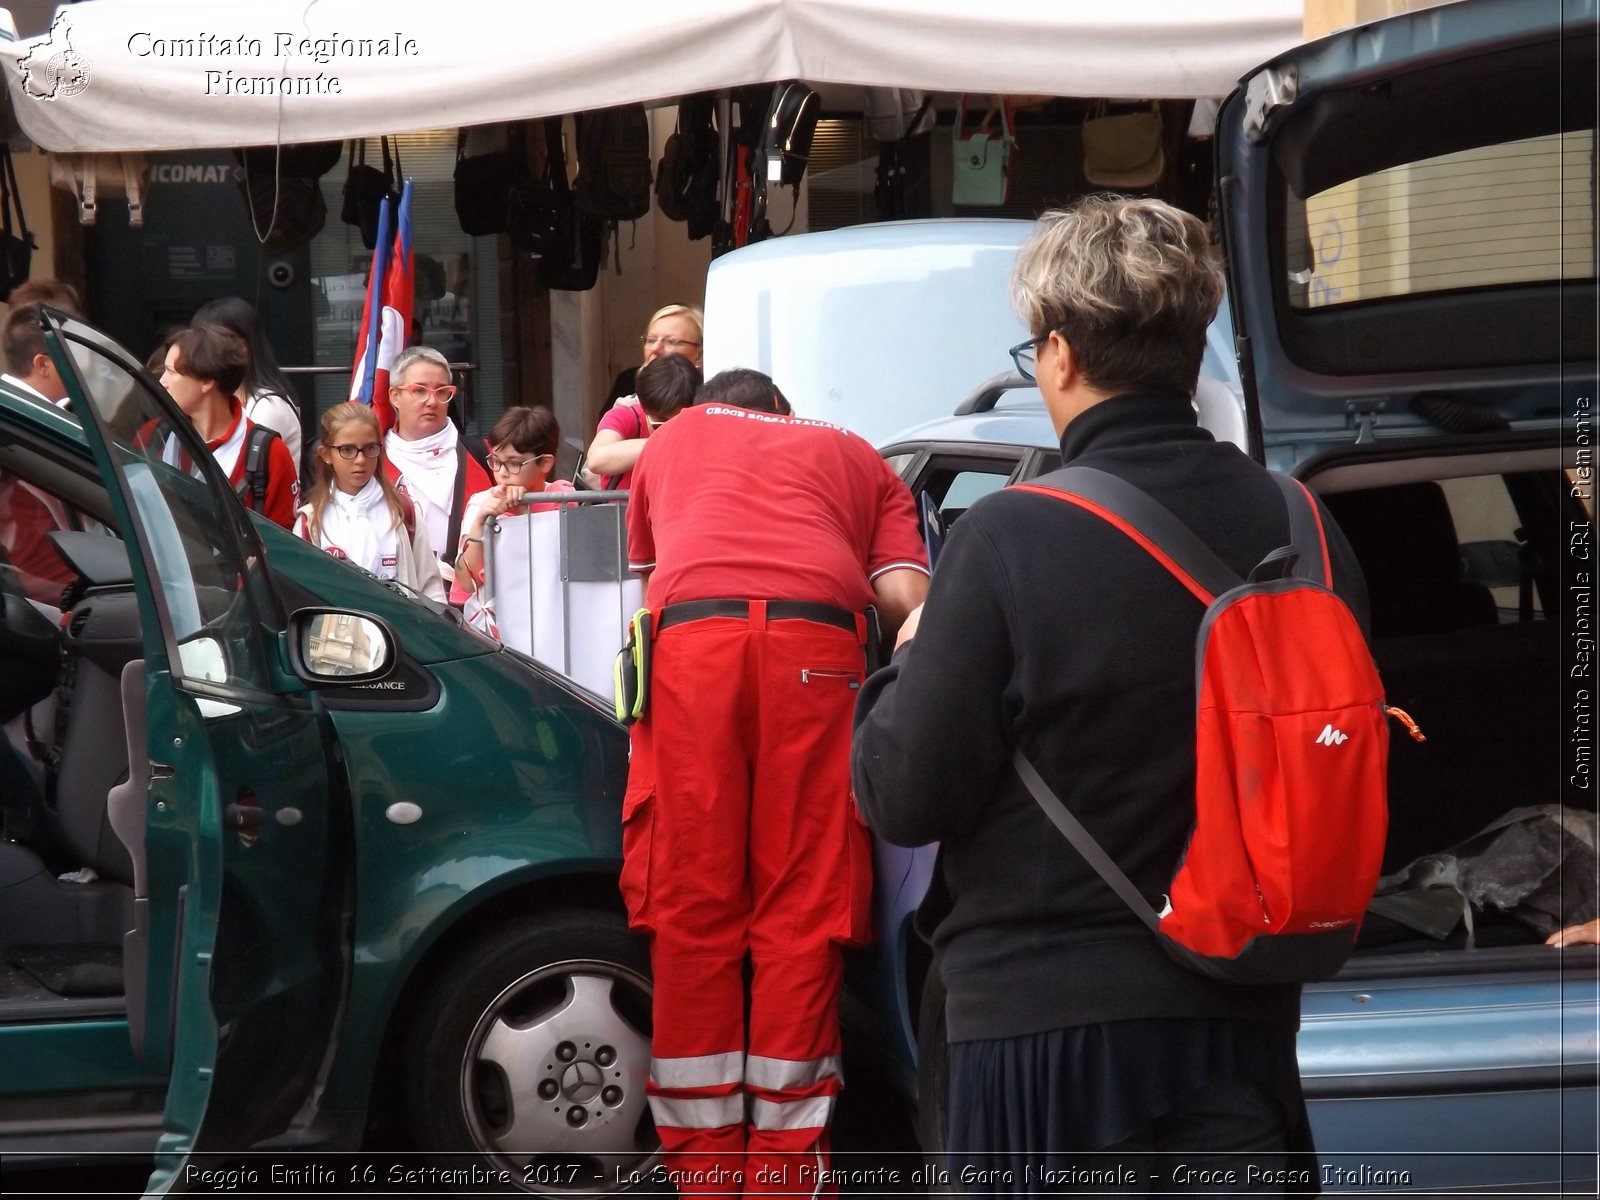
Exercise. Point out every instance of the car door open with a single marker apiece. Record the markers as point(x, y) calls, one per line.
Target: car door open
point(237, 815)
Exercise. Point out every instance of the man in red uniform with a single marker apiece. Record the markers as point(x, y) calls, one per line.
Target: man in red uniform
point(763, 539)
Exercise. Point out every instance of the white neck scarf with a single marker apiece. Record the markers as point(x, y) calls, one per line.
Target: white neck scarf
point(428, 466)
point(226, 454)
point(362, 529)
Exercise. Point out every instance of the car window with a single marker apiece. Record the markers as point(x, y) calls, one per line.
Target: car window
point(29, 562)
point(967, 487)
point(200, 569)
point(956, 486)
point(1492, 540)
point(899, 462)
point(1515, 212)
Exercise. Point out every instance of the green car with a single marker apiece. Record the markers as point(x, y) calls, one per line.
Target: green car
point(291, 854)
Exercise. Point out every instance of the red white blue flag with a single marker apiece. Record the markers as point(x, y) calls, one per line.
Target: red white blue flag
point(386, 319)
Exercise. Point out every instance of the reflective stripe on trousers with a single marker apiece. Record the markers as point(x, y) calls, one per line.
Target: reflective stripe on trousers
point(698, 1071)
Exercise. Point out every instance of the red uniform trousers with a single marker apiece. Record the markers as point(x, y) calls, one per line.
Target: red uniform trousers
point(739, 834)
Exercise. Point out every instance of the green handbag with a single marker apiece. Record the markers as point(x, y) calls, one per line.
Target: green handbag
point(981, 158)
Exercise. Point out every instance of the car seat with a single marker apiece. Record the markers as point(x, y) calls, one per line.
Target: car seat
point(1405, 540)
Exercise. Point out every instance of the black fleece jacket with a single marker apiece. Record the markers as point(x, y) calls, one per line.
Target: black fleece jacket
point(1047, 629)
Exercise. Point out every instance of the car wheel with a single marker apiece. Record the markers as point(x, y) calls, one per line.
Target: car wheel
point(532, 1052)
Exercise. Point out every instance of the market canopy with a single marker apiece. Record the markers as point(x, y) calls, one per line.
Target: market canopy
point(188, 74)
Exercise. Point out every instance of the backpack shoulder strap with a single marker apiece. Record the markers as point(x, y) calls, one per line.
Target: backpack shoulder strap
point(1309, 539)
point(1083, 841)
point(256, 457)
point(457, 496)
point(1149, 523)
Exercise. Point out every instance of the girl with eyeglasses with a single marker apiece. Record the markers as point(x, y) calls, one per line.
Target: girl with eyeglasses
point(522, 453)
point(355, 513)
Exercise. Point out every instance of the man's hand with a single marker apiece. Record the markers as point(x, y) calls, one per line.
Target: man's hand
point(1587, 934)
point(908, 627)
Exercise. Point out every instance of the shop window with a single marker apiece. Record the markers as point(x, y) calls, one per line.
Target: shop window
point(458, 287)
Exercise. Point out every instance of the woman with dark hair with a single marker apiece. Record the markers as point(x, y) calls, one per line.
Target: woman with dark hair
point(266, 393)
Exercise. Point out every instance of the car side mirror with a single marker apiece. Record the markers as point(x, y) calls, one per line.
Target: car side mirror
point(335, 646)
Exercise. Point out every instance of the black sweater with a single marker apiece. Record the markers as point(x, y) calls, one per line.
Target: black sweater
point(1047, 629)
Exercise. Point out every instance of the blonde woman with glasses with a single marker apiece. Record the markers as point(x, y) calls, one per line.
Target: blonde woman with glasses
point(624, 428)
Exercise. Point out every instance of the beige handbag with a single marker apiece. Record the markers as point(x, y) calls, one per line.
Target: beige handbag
point(1123, 152)
point(95, 177)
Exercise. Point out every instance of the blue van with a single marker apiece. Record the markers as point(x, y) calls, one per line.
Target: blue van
point(1411, 235)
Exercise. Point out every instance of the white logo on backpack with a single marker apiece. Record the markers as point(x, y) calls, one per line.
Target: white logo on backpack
point(1331, 737)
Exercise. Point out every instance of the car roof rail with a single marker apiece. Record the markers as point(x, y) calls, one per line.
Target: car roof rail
point(987, 394)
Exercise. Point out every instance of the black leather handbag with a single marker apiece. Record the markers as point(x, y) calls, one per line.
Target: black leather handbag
point(366, 188)
point(570, 261)
point(16, 242)
point(486, 183)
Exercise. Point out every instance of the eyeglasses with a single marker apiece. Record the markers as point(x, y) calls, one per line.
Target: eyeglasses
point(348, 452)
point(419, 392)
point(669, 344)
point(1026, 355)
point(514, 466)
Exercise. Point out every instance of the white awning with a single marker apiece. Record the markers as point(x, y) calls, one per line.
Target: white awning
point(188, 74)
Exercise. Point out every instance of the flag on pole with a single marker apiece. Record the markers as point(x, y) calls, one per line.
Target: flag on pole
point(399, 292)
point(361, 380)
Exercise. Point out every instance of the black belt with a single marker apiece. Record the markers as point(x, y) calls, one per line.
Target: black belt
point(777, 610)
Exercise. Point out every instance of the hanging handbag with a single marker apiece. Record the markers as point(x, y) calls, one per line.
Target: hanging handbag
point(541, 213)
point(981, 158)
point(1123, 151)
point(286, 211)
point(484, 184)
point(571, 262)
point(366, 188)
point(16, 242)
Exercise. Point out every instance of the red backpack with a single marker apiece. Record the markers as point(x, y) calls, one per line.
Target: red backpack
point(1291, 752)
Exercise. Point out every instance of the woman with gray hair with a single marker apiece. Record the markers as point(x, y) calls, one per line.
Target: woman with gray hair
point(424, 455)
point(1080, 1054)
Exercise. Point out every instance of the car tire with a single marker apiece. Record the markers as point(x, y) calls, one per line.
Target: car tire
point(529, 1058)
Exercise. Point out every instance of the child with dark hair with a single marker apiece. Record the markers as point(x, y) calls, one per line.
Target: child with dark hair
point(266, 393)
point(522, 453)
point(205, 366)
point(665, 385)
